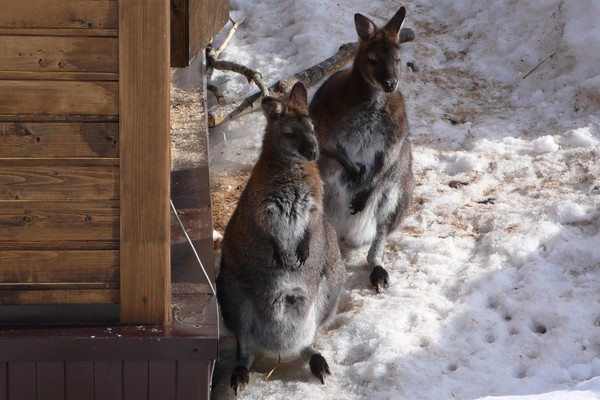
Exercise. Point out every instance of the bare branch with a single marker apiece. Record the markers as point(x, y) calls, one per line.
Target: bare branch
point(250, 74)
point(234, 28)
point(217, 92)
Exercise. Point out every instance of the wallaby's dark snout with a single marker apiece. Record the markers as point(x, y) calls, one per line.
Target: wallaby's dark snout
point(390, 85)
point(310, 150)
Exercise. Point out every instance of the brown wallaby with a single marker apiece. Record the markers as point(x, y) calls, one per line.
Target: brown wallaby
point(366, 156)
point(281, 270)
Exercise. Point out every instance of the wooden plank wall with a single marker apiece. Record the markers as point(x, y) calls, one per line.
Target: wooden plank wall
point(105, 380)
point(59, 153)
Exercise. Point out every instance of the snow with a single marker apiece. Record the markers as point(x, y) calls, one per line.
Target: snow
point(495, 281)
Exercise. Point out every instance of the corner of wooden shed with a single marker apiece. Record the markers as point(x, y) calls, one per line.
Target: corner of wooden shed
point(100, 296)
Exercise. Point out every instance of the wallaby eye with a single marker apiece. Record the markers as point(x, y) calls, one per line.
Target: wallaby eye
point(397, 60)
point(372, 61)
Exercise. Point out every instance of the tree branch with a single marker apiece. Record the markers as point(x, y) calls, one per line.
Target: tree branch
point(234, 28)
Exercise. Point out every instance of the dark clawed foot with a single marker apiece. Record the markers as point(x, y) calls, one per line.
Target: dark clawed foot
point(319, 367)
point(239, 378)
point(380, 279)
point(302, 252)
point(359, 201)
point(359, 173)
point(282, 260)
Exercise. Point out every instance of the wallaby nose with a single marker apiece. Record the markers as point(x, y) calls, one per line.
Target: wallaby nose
point(313, 154)
point(310, 153)
point(390, 85)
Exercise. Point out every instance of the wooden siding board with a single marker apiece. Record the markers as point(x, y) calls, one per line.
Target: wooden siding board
point(59, 76)
point(56, 245)
point(59, 179)
point(45, 222)
point(56, 140)
point(206, 18)
point(50, 380)
point(69, 296)
point(58, 54)
point(38, 99)
point(192, 379)
point(59, 266)
point(79, 380)
point(4, 380)
point(145, 160)
point(162, 380)
point(135, 380)
point(73, 14)
point(193, 25)
point(21, 380)
point(108, 382)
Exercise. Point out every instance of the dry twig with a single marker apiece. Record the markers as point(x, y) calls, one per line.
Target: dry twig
point(540, 63)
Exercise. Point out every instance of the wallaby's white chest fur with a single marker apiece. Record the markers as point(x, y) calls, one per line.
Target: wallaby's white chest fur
point(364, 135)
point(288, 211)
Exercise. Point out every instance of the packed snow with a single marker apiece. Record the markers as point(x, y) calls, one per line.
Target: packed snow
point(495, 275)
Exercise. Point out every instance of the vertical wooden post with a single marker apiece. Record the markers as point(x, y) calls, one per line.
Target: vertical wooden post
point(144, 160)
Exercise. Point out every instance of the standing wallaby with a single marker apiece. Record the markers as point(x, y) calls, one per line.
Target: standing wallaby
point(281, 270)
point(366, 157)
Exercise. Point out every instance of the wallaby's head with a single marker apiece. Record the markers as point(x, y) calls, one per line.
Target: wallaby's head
point(378, 54)
point(290, 132)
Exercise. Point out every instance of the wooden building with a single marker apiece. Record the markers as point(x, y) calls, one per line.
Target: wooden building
point(88, 308)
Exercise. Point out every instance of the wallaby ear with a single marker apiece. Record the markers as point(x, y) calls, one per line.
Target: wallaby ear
point(272, 108)
point(395, 24)
point(364, 26)
point(299, 96)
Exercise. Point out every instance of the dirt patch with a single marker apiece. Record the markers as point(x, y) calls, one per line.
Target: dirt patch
point(225, 192)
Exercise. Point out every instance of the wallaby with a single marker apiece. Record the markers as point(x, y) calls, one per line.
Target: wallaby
point(366, 156)
point(281, 270)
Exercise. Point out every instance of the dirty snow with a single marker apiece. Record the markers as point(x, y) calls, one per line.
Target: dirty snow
point(496, 273)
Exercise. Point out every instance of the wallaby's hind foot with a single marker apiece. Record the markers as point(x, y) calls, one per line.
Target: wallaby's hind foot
point(380, 279)
point(319, 367)
point(239, 378)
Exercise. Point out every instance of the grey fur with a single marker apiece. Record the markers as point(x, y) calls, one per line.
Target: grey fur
point(281, 271)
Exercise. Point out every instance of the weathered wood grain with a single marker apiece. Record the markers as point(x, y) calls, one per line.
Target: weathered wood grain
point(59, 76)
point(27, 266)
point(59, 54)
point(57, 244)
point(59, 179)
point(73, 14)
point(92, 296)
point(193, 25)
point(145, 160)
point(46, 222)
point(59, 139)
point(42, 98)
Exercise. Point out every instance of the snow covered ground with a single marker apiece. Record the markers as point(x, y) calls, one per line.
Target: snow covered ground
point(496, 273)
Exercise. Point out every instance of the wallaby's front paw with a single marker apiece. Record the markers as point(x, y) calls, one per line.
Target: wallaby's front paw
point(319, 367)
point(359, 201)
point(239, 378)
point(380, 279)
point(302, 252)
point(282, 259)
